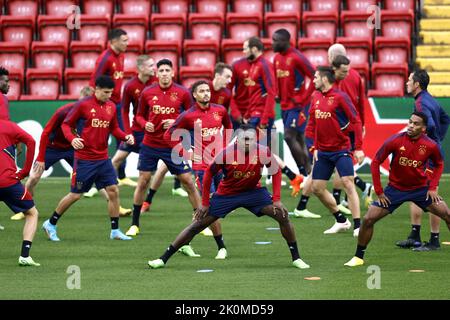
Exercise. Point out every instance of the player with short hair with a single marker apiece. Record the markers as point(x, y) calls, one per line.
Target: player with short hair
point(111, 63)
point(94, 118)
point(12, 192)
point(4, 89)
point(332, 117)
point(437, 126)
point(204, 121)
point(241, 164)
point(159, 106)
point(408, 179)
point(239, 82)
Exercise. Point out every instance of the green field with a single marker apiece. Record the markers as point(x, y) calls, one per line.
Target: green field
point(118, 269)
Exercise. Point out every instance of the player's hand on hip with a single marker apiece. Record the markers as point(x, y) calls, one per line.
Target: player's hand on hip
point(279, 206)
point(383, 200)
point(39, 167)
point(316, 155)
point(150, 127)
point(129, 139)
point(77, 143)
point(435, 197)
point(167, 123)
point(201, 212)
point(359, 155)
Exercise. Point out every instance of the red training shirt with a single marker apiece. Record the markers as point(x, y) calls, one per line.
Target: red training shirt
point(353, 86)
point(240, 100)
point(4, 108)
point(221, 97)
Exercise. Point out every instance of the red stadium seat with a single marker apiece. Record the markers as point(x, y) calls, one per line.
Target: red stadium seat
point(211, 6)
point(354, 24)
point(363, 70)
point(397, 24)
point(23, 8)
point(201, 53)
point(388, 80)
point(135, 26)
point(42, 84)
point(393, 50)
point(231, 50)
point(241, 26)
point(248, 6)
point(400, 4)
point(17, 29)
point(174, 6)
point(316, 50)
point(206, 26)
point(286, 6)
point(83, 55)
point(98, 7)
point(164, 50)
point(268, 51)
point(189, 75)
point(14, 55)
point(324, 5)
point(95, 28)
point(168, 26)
point(359, 50)
point(320, 24)
point(278, 20)
point(133, 51)
point(48, 55)
point(75, 79)
point(15, 84)
point(136, 7)
point(54, 29)
point(360, 5)
point(59, 7)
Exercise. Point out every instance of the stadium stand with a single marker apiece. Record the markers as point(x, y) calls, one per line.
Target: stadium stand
point(35, 36)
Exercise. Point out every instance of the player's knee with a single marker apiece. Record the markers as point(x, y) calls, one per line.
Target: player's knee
point(348, 183)
point(368, 221)
point(317, 189)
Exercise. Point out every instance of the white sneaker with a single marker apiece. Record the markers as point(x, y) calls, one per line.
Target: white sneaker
point(356, 232)
point(299, 263)
point(207, 232)
point(339, 227)
point(222, 254)
point(344, 209)
point(2, 227)
point(27, 262)
point(344, 203)
point(92, 192)
point(305, 214)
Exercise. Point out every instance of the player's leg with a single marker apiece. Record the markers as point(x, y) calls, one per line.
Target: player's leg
point(188, 184)
point(183, 238)
point(413, 239)
point(374, 214)
point(353, 202)
point(337, 189)
point(138, 199)
point(113, 210)
point(295, 179)
point(29, 231)
point(155, 184)
point(438, 211)
point(301, 211)
point(119, 157)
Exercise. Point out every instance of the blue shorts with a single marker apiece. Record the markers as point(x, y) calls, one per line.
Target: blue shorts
point(54, 155)
point(199, 174)
point(295, 118)
point(254, 122)
point(327, 161)
point(88, 172)
point(397, 197)
point(253, 200)
point(136, 147)
point(149, 157)
point(17, 198)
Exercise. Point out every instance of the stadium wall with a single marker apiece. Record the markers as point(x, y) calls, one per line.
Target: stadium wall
point(385, 116)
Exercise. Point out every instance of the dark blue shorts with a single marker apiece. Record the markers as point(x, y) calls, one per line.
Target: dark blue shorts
point(253, 200)
point(199, 174)
point(136, 147)
point(88, 172)
point(254, 122)
point(398, 197)
point(54, 155)
point(17, 198)
point(295, 119)
point(149, 157)
point(327, 161)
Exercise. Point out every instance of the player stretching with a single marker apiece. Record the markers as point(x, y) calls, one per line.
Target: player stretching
point(331, 116)
point(242, 165)
point(12, 192)
point(92, 164)
point(437, 126)
point(408, 180)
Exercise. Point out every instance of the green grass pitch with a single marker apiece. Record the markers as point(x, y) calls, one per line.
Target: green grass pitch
point(118, 269)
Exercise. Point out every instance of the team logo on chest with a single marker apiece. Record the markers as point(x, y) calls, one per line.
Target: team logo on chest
point(155, 98)
point(402, 148)
point(216, 115)
point(422, 149)
point(174, 96)
point(108, 110)
point(288, 61)
point(330, 101)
